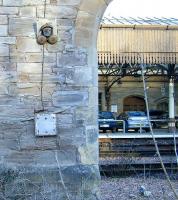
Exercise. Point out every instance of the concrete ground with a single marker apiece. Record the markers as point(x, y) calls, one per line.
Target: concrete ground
point(158, 133)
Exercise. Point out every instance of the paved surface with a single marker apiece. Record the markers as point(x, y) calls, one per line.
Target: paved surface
point(158, 133)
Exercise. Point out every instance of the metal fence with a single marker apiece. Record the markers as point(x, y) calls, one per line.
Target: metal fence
point(161, 124)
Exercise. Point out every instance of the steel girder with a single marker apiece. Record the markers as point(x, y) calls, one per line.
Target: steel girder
point(118, 71)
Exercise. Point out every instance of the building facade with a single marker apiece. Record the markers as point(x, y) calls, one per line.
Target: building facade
point(123, 49)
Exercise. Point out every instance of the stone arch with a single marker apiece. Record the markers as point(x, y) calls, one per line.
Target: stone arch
point(162, 103)
point(87, 22)
point(134, 102)
point(86, 29)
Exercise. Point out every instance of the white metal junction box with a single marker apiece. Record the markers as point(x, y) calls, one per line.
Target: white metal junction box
point(45, 124)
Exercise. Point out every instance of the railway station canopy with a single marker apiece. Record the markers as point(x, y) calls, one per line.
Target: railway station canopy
point(151, 41)
point(130, 42)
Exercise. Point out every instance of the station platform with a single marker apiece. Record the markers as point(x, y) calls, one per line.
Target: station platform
point(158, 133)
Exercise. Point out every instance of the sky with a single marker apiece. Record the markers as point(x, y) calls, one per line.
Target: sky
point(143, 8)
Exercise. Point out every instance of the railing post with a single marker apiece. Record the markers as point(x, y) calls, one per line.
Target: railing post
point(123, 125)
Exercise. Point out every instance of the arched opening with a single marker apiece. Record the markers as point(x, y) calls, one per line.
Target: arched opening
point(87, 25)
point(134, 103)
point(163, 106)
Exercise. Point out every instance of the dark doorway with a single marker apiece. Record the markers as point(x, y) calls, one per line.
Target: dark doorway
point(134, 103)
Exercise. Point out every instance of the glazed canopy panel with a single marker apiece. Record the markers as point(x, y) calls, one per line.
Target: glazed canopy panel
point(149, 44)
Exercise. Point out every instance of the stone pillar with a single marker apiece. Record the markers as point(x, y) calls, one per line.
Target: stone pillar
point(171, 106)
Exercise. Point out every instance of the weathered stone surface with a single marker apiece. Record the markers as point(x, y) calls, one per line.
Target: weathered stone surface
point(7, 40)
point(85, 114)
point(76, 182)
point(24, 155)
point(7, 66)
point(57, 80)
point(91, 134)
point(32, 68)
point(65, 120)
point(61, 12)
point(72, 59)
point(78, 76)
point(89, 154)
point(83, 76)
point(65, 22)
point(8, 10)
point(4, 50)
point(3, 19)
point(22, 2)
point(68, 2)
point(68, 138)
point(28, 11)
point(27, 45)
point(58, 47)
point(70, 98)
point(22, 27)
point(3, 30)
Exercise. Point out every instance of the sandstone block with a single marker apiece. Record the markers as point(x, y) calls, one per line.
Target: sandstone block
point(4, 58)
point(69, 2)
point(24, 57)
point(7, 40)
point(83, 76)
point(76, 59)
point(58, 47)
point(90, 180)
point(86, 114)
point(29, 91)
point(40, 11)
point(4, 50)
point(70, 98)
point(65, 120)
point(25, 44)
point(91, 134)
point(61, 12)
point(65, 22)
point(94, 7)
point(7, 66)
point(8, 10)
point(3, 19)
point(28, 12)
point(32, 68)
point(23, 2)
point(89, 154)
point(33, 57)
point(22, 27)
point(50, 57)
point(67, 136)
point(3, 30)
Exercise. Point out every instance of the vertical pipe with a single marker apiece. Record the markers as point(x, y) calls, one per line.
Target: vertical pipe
point(171, 106)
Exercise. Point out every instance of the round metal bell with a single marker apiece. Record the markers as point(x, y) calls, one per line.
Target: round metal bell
point(52, 39)
point(41, 39)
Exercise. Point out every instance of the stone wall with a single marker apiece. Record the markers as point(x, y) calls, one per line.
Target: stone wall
point(60, 79)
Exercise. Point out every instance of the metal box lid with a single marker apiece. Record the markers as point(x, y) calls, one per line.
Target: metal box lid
point(45, 124)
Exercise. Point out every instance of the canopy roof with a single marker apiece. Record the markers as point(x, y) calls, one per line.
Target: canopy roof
point(139, 43)
point(140, 21)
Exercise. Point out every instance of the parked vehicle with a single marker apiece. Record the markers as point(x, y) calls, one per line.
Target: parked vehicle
point(107, 121)
point(136, 120)
point(159, 118)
